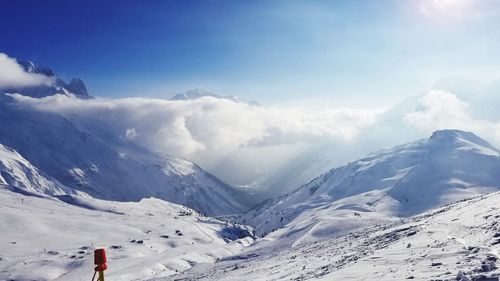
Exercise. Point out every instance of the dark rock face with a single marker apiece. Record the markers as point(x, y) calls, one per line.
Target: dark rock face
point(77, 87)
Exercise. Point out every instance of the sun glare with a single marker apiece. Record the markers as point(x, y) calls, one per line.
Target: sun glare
point(445, 8)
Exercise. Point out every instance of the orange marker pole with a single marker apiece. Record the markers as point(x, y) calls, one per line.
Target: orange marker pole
point(100, 262)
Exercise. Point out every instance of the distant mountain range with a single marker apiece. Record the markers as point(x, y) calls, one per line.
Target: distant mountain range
point(198, 93)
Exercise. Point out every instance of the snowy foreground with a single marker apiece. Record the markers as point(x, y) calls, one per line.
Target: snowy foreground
point(456, 242)
point(44, 238)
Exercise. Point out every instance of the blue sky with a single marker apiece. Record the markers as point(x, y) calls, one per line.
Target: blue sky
point(351, 52)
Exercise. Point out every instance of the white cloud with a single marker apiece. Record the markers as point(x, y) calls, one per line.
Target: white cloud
point(241, 143)
point(13, 75)
point(209, 130)
point(439, 109)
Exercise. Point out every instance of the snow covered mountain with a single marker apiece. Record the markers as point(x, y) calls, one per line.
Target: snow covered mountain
point(199, 93)
point(455, 242)
point(76, 87)
point(406, 180)
point(85, 155)
point(17, 172)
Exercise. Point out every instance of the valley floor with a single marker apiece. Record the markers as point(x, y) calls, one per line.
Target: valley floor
point(456, 242)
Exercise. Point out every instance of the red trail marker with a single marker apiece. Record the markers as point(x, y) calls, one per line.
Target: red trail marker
point(100, 262)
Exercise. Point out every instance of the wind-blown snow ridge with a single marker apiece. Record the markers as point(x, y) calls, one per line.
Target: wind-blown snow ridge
point(465, 140)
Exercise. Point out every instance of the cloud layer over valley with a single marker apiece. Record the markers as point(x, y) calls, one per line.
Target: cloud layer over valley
point(225, 136)
point(250, 145)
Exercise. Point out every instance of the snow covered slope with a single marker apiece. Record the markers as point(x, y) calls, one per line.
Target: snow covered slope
point(86, 155)
point(43, 238)
point(199, 93)
point(75, 88)
point(403, 181)
point(455, 242)
point(18, 172)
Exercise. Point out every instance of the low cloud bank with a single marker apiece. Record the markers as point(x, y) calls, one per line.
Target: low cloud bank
point(244, 144)
point(208, 125)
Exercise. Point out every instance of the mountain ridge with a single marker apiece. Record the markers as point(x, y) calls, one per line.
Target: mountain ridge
point(402, 181)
